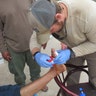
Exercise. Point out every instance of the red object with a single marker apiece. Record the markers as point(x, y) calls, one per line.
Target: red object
point(51, 59)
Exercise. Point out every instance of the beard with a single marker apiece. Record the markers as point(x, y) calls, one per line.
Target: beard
point(63, 25)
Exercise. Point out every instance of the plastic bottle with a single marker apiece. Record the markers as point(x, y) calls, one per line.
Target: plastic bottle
point(81, 92)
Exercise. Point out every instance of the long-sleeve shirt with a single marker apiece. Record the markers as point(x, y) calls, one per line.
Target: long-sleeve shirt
point(15, 29)
point(80, 32)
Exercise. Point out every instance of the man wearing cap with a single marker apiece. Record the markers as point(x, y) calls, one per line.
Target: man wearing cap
point(72, 23)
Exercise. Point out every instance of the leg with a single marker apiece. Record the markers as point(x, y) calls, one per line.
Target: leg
point(74, 78)
point(33, 66)
point(91, 61)
point(16, 66)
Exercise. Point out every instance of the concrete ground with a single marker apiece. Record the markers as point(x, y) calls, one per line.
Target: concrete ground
point(7, 78)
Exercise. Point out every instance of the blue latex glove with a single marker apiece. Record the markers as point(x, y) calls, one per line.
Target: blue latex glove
point(35, 95)
point(63, 56)
point(42, 60)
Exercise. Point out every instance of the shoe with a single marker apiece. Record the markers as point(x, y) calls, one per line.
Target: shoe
point(35, 95)
point(45, 89)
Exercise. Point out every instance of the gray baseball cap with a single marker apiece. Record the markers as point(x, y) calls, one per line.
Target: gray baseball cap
point(44, 11)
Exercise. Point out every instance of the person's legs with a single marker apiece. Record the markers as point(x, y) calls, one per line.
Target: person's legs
point(91, 61)
point(74, 78)
point(10, 90)
point(16, 66)
point(34, 68)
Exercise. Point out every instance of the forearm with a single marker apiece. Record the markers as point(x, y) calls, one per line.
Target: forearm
point(2, 41)
point(34, 87)
point(84, 49)
point(33, 51)
point(34, 46)
point(37, 85)
point(3, 48)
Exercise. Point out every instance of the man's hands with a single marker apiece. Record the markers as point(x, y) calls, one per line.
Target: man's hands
point(42, 60)
point(63, 56)
point(6, 55)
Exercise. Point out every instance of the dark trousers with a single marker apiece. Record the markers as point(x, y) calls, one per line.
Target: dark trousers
point(90, 59)
point(17, 65)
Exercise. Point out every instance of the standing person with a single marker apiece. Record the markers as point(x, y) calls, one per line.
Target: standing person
point(15, 32)
point(72, 23)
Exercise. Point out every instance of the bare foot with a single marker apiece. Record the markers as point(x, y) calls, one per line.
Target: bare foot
point(58, 68)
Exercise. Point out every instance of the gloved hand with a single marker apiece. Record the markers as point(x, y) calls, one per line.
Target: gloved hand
point(63, 56)
point(42, 60)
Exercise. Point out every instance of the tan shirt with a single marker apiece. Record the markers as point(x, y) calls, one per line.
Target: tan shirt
point(81, 26)
point(15, 29)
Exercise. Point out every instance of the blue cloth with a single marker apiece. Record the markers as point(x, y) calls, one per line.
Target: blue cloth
point(10, 90)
